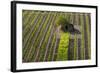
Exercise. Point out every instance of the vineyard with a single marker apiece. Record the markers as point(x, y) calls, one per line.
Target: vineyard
point(43, 40)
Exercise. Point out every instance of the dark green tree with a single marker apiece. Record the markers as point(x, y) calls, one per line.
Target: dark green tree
point(65, 25)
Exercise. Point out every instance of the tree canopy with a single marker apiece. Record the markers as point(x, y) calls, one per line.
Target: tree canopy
point(61, 21)
point(65, 25)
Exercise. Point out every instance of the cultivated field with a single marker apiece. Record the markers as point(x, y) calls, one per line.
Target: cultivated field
point(43, 40)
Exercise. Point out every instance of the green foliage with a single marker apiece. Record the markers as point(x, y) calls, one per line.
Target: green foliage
point(63, 47)
point(61, 21)
point(65, 25)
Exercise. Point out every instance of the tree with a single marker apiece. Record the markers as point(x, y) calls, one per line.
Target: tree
point(61, 21)
point(65, 25)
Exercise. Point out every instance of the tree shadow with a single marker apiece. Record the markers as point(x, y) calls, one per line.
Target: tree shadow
point(72, 28)
point(75, 31)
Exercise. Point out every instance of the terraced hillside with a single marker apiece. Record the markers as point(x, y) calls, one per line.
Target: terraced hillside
point(42, 41)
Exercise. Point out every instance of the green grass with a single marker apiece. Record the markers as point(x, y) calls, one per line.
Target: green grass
point(63, 47)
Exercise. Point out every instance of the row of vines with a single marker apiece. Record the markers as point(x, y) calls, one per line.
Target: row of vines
point(40, 42)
